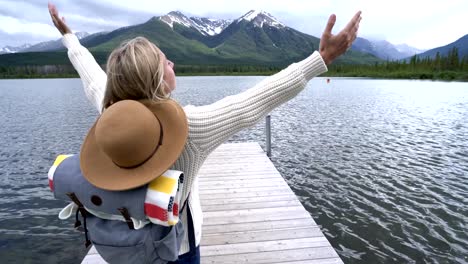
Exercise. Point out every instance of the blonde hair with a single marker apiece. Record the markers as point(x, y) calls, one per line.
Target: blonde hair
point(135, 70)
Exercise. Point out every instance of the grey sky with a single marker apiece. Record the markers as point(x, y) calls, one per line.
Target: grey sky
point(422, 24)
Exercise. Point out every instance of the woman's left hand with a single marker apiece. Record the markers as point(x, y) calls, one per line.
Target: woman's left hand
point(333, 46)
point(59, 23)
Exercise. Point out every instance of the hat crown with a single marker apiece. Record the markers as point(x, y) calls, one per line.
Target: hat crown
point(128, 133)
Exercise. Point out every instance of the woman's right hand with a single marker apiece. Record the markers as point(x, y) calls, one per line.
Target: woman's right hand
point(59, 23)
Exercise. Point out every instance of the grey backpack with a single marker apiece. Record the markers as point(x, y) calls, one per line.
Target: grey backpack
point(117, 241)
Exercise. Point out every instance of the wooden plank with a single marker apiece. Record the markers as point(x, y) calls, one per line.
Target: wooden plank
point(251, 247)
point(260, 211)
point(274, 256)
point(223, 220)
point(237, 148)
point(247, 190)
point(240, 183)
point(261, 235)
point(222, 166)
point(239, 206)
point(267, 176)
point(255, 160)
point(93, 259)
point(336, 260)
point(93, 250)
point(208, 196)
point(234, 155)
point(227, 201)
point(235, 176)
point(250, 184)
point(239, 171)
point(240, 160)
point(264, 225)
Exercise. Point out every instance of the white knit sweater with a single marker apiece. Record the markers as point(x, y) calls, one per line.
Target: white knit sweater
point(210, 125)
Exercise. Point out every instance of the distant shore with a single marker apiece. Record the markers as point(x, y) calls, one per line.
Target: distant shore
point(439, 76)
point(435, 76)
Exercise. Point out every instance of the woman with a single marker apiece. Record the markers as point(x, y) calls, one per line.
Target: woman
point(208, 126)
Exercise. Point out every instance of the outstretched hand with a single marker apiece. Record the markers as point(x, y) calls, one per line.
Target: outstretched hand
point(59, 23)
point(333, 46)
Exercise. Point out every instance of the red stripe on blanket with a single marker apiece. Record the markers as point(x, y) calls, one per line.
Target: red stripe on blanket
point(51, 185)
point(157, 212)
point(175, 210)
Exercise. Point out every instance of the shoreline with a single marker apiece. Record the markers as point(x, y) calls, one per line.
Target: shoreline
point(409, 76)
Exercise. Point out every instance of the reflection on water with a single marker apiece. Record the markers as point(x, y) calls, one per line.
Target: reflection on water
point(381, 165)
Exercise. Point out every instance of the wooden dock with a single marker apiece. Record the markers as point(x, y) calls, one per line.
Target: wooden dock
point(251, 215)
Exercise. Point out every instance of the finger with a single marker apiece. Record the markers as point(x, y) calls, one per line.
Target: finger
point(330, 24)
point(353, 31)
point(51, 11)
point(63, 20)
point(356, 29)
point(55, 11)
point(54, 20)
point(356, 18)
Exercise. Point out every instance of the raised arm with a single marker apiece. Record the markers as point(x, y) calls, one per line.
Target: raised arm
point(211, 125)
point(91, 74)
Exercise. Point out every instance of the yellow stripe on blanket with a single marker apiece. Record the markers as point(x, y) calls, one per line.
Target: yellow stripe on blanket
point(163, 184)
point(59, 159)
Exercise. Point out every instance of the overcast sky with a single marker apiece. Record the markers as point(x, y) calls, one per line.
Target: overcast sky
point(423, 24)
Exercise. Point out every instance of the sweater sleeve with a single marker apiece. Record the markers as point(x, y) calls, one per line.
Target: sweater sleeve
point(92, 76)
point(211, 125)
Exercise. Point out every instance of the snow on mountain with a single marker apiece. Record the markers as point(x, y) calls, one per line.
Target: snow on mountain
point(260, 18)
point(384, 49)
point(81, 35)
point(210, 26)
point(10, 49)
point(176, 17)
point(206, 26)
point(42, 46)
point(408, 50)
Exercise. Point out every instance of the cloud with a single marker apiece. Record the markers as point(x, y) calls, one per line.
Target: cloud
point(19, 39)
point(27, 27)
point(18, 19)
point(421, 23)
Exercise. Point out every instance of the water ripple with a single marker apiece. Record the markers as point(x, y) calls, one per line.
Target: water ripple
point(381, 165)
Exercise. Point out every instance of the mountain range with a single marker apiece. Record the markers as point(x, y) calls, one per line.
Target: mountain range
point(384, 49)
point(40, 47)
point(256, 38)
point(461, 44)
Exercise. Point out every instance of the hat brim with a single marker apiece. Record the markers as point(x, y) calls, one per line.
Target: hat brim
point(103, 173)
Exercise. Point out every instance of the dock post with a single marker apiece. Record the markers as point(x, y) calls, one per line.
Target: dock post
point(268, 135)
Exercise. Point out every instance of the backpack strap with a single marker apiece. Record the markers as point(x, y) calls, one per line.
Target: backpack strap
point(185, 203)
point(191, 231)
point(83, 212)
point(124, 212)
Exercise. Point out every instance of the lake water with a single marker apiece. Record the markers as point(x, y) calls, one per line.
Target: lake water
point(381, 165)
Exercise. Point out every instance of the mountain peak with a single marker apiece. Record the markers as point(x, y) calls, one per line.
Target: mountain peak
point(176, 13)
point(82, 34)
point(206, 26)
point(259, 18)
point(177, 17)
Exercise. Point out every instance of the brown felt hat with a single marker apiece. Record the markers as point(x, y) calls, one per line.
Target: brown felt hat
point(132, 143)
